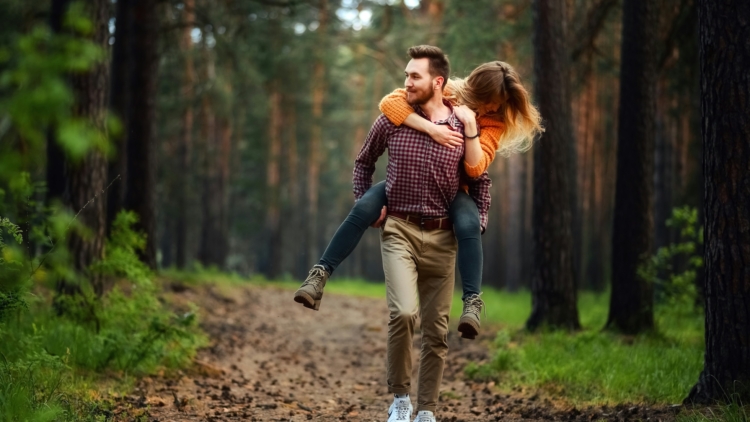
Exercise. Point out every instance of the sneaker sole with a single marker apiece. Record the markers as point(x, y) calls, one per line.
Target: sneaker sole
point(468, 330)
point(307, 301)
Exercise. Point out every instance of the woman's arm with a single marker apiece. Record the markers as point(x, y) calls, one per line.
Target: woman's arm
point(489, 142)
point(473, 153)
point(395, 107)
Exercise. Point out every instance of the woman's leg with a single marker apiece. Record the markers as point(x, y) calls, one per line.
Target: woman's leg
point(365, 212)
point(465, 216)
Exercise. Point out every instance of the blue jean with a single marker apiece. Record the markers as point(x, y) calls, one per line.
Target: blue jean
point(463, 212)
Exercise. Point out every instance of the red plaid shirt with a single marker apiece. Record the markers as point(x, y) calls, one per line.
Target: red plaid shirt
point(422, 175)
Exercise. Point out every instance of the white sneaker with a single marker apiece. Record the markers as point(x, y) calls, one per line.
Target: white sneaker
point(400, 410)
point(425, 416)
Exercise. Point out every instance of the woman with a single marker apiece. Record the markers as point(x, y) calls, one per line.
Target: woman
point(492, 99)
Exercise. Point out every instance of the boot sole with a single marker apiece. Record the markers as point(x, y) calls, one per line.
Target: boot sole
point(468, 330)
point(307, 301)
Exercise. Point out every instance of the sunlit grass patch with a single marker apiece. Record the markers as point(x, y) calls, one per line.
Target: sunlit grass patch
point(601, 367)
point(355, 287)
point(593, 366)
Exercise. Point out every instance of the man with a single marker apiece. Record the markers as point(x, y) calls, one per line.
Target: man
point(417, 241)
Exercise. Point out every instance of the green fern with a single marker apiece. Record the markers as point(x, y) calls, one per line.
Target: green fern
point(12, 229)
point(11, 267)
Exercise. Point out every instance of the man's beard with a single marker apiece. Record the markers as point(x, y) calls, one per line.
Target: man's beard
point(420, 97)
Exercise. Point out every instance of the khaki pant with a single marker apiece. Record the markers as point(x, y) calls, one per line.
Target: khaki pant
point(419, 268)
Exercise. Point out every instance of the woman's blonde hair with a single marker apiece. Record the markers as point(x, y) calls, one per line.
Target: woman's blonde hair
point(498, 82)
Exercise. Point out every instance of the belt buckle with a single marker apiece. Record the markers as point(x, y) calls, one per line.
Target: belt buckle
point(422, 220)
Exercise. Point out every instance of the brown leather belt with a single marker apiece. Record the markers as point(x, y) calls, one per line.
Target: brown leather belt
point(426, 223)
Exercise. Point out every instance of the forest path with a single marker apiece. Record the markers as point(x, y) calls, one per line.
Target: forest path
point(270, 359)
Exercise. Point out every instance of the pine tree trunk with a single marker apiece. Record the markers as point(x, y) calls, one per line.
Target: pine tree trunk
point(55, 176)
point(273, 213)
point(294, 248)
point(631, 302)
point(553, 281)
point(595, 264)
point(514, 228)
point(725, 90)
point(119, 99)
point(86, 179)
point(208, 134)
point(224, 136)
point(527, 240)
point(184, 185)
point(315, 152)
point(141, 181)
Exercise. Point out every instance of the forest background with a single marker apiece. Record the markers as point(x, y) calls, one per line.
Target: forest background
point(258, 109)
point(229, 129)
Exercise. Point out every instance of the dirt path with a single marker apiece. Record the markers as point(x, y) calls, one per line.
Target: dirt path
point(270, 359)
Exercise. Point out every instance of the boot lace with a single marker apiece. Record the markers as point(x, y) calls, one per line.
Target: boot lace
point(315, 278)
point(474, 304)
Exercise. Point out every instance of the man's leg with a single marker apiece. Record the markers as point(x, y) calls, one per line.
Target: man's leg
point(397, 240)
point(435, 284)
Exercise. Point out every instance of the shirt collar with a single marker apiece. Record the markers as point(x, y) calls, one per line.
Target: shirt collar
point(451, 120)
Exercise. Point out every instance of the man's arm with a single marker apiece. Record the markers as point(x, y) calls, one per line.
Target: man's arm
point(373, 148)
point(395, 107)
point(479, 190)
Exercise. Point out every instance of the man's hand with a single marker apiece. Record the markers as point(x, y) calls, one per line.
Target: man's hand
point(380, 220)
point(445, 136)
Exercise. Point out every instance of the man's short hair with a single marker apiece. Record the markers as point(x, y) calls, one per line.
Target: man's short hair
point(439, 64)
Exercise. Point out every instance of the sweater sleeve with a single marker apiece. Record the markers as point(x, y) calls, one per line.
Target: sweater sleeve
point(395, 107)
point(489, 139)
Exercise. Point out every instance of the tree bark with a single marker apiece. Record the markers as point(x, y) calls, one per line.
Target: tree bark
point(553, 281)
point(316, 142)
point(725, 90)
point(122, 59)
point(208, 133)
point(631, 302)
point(514, 227)
point(224, 137)
point(186, 140)
point(141, 164)
point(86, 179)
point(56, 183)
point(295, 248)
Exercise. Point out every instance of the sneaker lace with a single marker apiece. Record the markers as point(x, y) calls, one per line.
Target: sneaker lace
point(474, 304)
point(315, 278)
point(402, 409)
point(423, 418)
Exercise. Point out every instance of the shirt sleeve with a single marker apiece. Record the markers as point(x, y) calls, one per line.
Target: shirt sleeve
point(490, 132)
point(395, 107)
point(479, 190)
point(374, 146)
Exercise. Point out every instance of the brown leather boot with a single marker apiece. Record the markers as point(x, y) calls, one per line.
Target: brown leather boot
point(311, 292)
point(469, 323)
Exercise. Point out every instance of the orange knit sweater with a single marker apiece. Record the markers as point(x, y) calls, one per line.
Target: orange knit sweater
point(396, 109)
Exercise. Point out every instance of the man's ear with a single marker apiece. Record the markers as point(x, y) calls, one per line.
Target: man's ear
point(438, 83)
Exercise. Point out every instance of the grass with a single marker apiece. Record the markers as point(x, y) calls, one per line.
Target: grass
point(592, 366)
point(54, 367)
point(55, 360)
point(733, 411)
